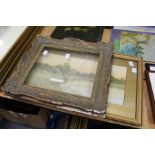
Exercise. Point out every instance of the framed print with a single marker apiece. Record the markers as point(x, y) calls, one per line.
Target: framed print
point(150, 79)
point(8, 37)
point(135, 44)
point(86, 33)
point(125, 90)
point(65, 72)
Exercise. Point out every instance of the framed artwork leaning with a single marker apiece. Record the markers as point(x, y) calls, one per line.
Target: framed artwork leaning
point(135, 44)
point(150, 79)
point(125, 90)
point(86, 33)
point(69, 72)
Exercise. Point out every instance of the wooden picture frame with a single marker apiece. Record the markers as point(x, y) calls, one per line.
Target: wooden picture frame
point(96, 103)
point(150, 74)
point(131, 109)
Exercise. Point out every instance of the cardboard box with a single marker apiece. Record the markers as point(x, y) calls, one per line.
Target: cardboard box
point(37, 121)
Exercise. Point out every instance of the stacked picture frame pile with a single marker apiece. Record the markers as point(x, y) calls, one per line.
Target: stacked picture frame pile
point(60, 120)
point(71, 71)
point(68, 74)
point(137, 45)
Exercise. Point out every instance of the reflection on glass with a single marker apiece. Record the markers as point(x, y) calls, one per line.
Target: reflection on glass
point(152, 79)
point(8, 37)
point(3, 30)
point(69, 72)
point(123, 80)
point(117, 85)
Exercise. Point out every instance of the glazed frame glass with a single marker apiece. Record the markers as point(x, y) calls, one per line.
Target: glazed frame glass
point(8, 37)
point(131, 109)
point(65, 71)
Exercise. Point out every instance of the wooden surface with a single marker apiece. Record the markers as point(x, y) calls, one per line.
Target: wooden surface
point(147, 119)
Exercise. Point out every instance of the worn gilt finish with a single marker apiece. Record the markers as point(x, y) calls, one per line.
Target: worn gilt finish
point(95, 104)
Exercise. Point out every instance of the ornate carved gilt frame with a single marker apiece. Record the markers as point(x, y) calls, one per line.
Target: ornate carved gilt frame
point(95, 104)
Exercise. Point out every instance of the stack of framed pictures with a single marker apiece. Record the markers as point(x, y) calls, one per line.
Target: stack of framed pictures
point(137, 42)
point(60, 120)
point(125, 90)
point(78, 122)
point(74, 74)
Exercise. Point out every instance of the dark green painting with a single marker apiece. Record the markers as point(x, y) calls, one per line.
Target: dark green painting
point(86, 33)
